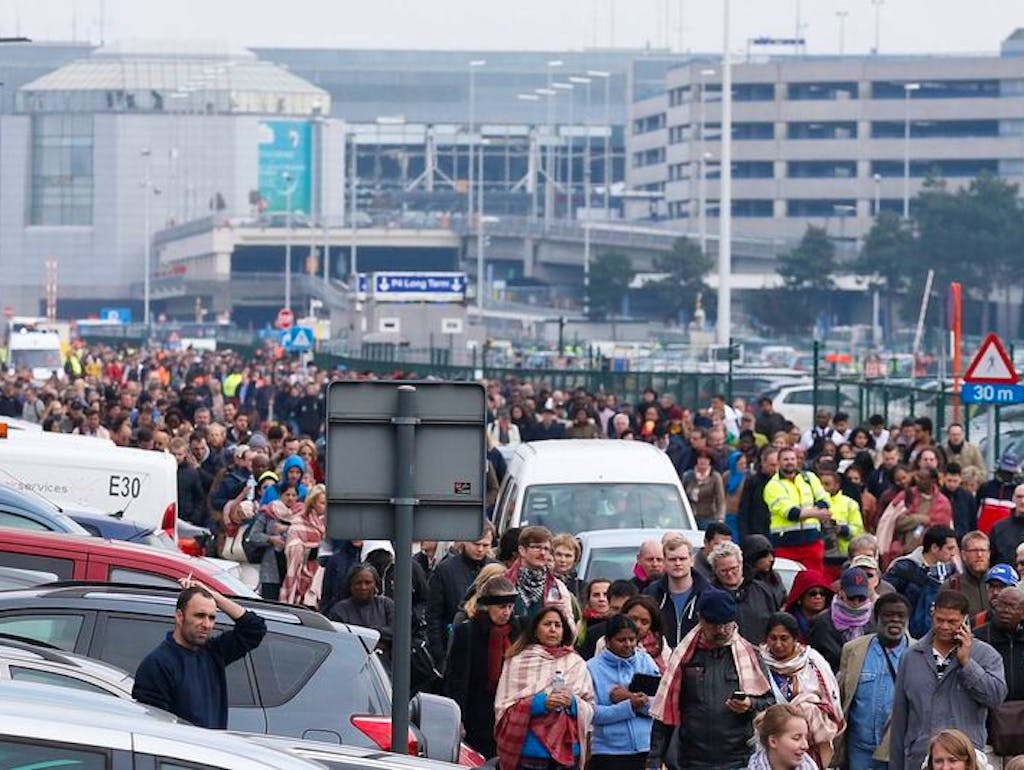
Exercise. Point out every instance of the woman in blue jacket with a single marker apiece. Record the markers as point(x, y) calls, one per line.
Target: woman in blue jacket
point(622, 727)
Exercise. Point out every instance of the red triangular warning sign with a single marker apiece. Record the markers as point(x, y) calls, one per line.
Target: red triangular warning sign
point(991, 364)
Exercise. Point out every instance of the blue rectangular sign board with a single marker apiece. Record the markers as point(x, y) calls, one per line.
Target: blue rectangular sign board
point(117, 315)
point(419, 287)
point(984, 393)
point(298, 338)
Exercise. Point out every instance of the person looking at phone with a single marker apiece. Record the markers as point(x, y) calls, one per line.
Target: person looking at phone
point(713, 687)
point(622, 724)
point(946, 678)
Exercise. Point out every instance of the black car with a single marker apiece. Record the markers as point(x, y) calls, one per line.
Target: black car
point(310, 678)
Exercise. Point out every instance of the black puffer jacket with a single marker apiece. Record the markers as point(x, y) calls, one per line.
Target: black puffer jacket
point(754, 603)
point(448, 585)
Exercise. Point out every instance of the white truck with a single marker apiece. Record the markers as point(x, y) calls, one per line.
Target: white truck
point(33, 346)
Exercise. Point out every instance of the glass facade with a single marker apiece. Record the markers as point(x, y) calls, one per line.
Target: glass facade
point(822, 91)
point(821, 169)
point(62, 170)
point(936, 89)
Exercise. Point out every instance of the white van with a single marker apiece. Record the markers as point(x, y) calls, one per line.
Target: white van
point(84, 471)
point(578, 485)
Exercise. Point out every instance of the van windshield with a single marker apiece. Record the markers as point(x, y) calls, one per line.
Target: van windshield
point(583, 507)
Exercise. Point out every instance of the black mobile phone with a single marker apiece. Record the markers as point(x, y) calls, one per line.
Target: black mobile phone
point(739, 695)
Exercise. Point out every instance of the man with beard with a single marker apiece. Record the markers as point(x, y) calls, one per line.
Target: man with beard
point(958, 450)
point(185, 674)
point(867, 675)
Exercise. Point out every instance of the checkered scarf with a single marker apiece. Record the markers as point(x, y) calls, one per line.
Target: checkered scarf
point(752, 680)
point(523, 676)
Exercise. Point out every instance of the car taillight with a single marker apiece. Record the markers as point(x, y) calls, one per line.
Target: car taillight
point(169, 523)
point(378, 730)
point(191, 546)
point(469, 757)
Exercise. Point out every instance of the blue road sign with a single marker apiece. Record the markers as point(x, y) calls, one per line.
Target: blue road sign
point(117, 315)
point(419, 287)
point(362, 283)
point(298, 338)
point(986, 393)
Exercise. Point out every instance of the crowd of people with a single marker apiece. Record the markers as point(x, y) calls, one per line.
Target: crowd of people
point(898, 642)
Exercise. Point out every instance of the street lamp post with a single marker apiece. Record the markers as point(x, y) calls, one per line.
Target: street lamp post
point(878, 194)
point(147, 185)
point(724, 325)
point(474, 65)
point(480, 278)
point(568, 88)
point(586, 142)
point(531, 163)
point(908, 89)
point(288, 191)
point(549, 154)
point(606, 175)
point(702, 163)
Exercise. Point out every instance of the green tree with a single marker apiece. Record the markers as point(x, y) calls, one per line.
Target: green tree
point(887, 259)
point(610, 276)
point(685, 267)
point(807, 283)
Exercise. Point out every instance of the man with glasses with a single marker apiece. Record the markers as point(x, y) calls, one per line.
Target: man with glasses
point(977, 558)
point(535, 581)
point(448, 585)
point(946, 678)
point(847, 618)
point(754, 602)
point(678, 589)
point(867, 679)
point(1006, 534)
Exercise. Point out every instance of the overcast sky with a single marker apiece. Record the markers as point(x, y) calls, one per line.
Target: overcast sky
point(906, 25)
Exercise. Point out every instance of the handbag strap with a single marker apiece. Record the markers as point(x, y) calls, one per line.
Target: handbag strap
point(888, 661)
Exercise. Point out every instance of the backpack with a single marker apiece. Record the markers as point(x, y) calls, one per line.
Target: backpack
point(253, 551)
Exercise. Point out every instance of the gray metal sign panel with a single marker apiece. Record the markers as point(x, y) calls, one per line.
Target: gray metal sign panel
point(449, 467)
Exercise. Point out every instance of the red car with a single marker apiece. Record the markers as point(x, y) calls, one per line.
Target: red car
point(78, 557)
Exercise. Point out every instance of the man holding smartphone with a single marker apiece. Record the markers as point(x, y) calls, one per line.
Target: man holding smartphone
point(946, 678)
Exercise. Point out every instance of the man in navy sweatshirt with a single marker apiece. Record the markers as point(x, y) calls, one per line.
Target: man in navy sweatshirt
point(185, 674)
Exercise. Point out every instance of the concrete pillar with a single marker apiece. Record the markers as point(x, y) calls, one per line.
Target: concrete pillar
point(529, 257)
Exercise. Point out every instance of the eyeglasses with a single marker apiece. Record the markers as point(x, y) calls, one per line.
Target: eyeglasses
point(817, 593)
point(539, 547)
point(977, 550)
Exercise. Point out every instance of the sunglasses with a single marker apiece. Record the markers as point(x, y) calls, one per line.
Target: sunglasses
point(816, 592)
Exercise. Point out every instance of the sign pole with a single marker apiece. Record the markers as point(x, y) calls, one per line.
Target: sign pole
point(990, 448)
point(405, 456)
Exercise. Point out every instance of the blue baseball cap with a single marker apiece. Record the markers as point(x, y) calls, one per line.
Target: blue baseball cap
point(1002, 573)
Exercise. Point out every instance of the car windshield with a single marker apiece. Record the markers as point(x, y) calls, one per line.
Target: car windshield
point(614, 563)
point(238, 588)
point(583, 507)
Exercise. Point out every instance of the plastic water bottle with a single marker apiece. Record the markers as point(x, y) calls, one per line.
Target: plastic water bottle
point(559, 684)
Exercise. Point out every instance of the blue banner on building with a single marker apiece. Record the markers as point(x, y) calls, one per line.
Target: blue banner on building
point(285, 164)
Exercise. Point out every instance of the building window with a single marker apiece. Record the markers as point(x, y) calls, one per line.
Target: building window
point(62, 173)
point(678, 96)
point(936, 89)
point(839, 129)
point(819, 207)
point(741, 130)
point(747, 208)
point(678, 171)
point(743, 92)
point(649, 123)
point(821, 169)
point(970, 167)
point(650, 157)
point(934, 129)
point(824, 91)
point(753, 169)
point(679, 134)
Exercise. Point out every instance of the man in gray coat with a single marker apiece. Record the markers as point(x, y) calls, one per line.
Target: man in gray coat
point(947, 679)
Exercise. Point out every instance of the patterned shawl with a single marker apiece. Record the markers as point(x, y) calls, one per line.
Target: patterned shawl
point(814, 691)
point(523, 676)
point(300, 585)
point(665, 707)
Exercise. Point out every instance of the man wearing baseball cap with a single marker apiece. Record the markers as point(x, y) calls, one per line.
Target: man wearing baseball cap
point(998, 578)
point(847, 618)
point(715, 720)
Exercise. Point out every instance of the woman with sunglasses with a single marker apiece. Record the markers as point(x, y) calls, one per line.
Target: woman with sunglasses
point(801, 677)
point(809, 597)
point(848, 617)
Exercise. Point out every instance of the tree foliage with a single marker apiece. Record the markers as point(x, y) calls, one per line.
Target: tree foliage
point(686, 265)
point(610, 276)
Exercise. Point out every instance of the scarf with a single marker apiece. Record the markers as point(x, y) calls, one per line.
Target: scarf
point(523, 676)
point(303, 579)
point(641, 574)
point(850, 620)
point(532, 583)
point(497, 646)
point(744, 655)
point(787, 667)
point(760, 761)
point(653, 644)
point(589, 613)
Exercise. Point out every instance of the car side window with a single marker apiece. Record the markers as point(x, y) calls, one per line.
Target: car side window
point(127, 640)
point(16, 755)
point(59, 630)
point(141, 578)
point(39, 676)
point(62, 568)
point(16, 520)
point(285, 663)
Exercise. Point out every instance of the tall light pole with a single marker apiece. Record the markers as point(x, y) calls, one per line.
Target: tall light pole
point(878, 25)
point(549, 154)
point(878, 194)
point(147, 185)
point(568, 89)
point(481, 280)
point(724, 325)
point(606, 175)
point(841, 15)
point(908, 89)
point(583, 81)
point(531, 161)
point(289, 189)
point(474, 65)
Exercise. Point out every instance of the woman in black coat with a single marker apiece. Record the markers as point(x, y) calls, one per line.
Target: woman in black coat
point(476, 657)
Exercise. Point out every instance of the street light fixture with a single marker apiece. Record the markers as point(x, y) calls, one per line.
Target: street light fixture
point(289, 190)
point(908, 89)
